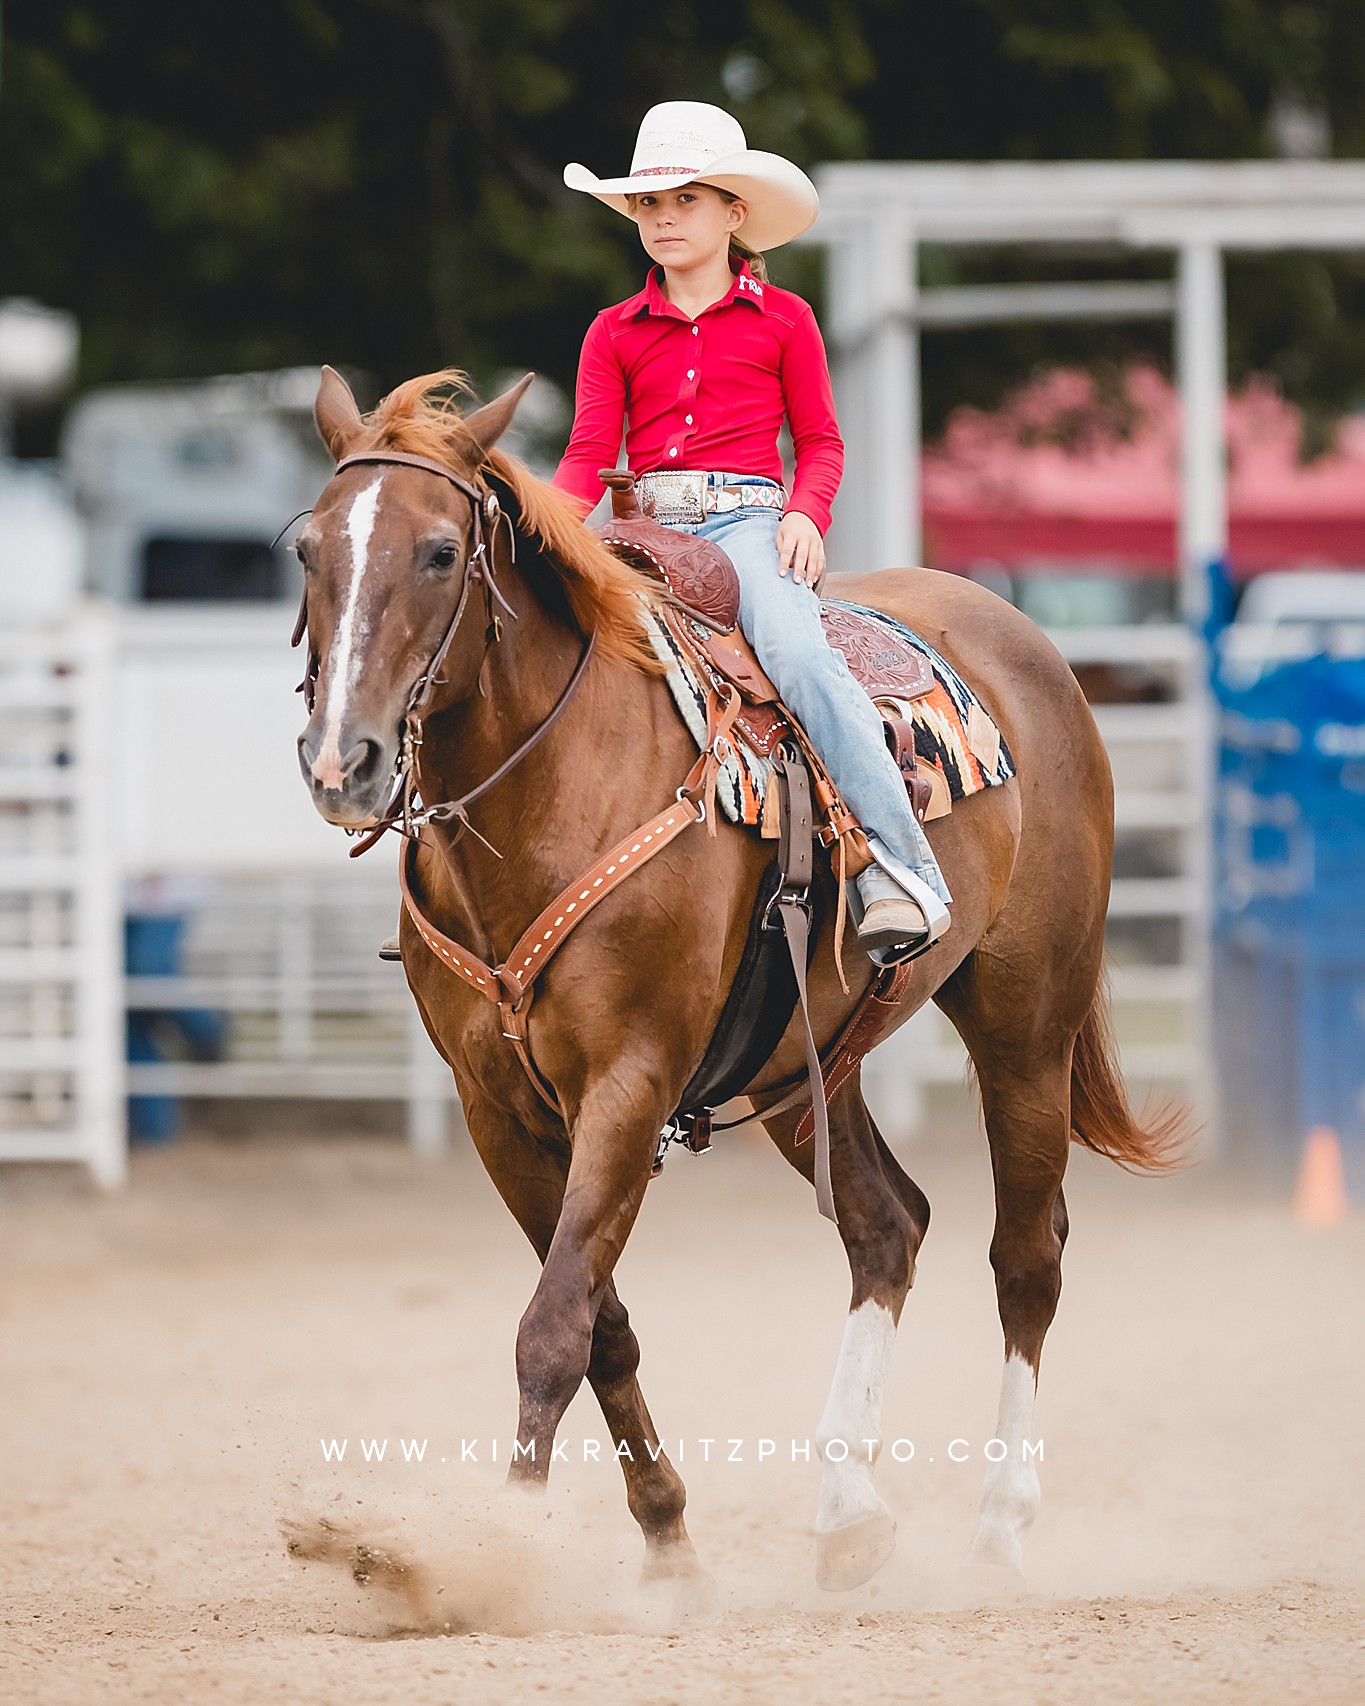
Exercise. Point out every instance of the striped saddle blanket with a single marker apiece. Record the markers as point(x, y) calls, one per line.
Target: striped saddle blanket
point(957, 743)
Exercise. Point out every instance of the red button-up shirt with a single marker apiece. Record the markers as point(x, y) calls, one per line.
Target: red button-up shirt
point(708, 393)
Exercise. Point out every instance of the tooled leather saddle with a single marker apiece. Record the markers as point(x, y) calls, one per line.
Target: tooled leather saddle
point(704, 620)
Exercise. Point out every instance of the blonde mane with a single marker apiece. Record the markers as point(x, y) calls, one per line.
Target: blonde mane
point(606, 596)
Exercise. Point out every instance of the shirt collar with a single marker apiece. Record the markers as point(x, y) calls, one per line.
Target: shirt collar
point(747, 288)
point(744, 287)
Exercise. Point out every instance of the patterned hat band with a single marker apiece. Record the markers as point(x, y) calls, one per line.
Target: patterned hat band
point(663, 171)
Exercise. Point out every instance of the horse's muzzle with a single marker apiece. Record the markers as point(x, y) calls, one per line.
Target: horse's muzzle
point(348, 787)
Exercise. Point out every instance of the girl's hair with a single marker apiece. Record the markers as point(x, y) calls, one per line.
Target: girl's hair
point(739, 249)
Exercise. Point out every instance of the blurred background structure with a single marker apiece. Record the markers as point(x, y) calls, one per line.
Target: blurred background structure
point(1102, 346)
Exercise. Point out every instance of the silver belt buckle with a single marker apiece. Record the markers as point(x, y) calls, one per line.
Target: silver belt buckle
point(679, 497)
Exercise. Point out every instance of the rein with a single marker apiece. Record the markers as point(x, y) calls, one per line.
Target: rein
point(449, 809)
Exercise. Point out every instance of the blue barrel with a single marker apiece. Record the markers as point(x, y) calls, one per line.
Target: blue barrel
point(152, 947)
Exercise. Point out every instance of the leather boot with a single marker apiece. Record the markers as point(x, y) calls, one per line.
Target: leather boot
point(892, 922)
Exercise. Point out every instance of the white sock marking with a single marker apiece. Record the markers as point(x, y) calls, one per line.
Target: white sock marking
point(1011, 1495)
point(344, 659)
point(853, 1415)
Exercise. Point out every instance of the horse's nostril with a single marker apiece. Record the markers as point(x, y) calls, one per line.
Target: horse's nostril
point(329, 772)
point(361, 762)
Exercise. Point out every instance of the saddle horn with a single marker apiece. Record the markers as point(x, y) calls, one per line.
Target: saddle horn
point(621, 484)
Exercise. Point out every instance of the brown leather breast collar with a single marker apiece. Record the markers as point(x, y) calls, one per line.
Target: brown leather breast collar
point(510, 983)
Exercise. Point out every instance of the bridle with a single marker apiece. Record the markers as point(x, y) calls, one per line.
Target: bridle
point(488, 518)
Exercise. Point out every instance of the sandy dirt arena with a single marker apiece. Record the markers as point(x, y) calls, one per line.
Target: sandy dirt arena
point(173, 1358)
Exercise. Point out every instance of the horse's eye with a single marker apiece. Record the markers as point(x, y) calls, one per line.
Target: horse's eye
point(444, 558)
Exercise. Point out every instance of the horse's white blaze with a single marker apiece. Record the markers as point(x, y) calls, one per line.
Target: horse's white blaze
point(853, 1416)
point(345, 658)
point(1010, 1497)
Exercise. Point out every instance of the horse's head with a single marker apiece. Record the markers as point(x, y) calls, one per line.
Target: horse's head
point(387, 558)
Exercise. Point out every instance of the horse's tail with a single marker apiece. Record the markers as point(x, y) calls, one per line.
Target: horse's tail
point(1100, 1116)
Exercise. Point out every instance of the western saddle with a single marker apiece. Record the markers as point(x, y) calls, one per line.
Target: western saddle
point(703, 617)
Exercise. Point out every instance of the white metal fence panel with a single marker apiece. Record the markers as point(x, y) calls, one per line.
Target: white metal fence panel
point(280, 927)
point(1158, 934)
point(61, 1021)
point(303, 1007)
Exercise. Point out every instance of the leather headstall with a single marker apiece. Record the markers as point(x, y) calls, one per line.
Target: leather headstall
point(487, 518)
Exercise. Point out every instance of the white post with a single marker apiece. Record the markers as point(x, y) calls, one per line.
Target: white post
point(295, 921)
point(848, 321)
point(1201, 366)
point(99, 932)
point(428, 1096)
point(893, 474)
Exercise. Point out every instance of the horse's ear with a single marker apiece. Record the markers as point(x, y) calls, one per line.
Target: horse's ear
point(338, 418)
point(488, 424)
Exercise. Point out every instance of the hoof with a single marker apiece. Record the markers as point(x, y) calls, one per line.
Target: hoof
point(696, 1599)
point(683, 1591)
point(998, 1551)
point(847, 1557)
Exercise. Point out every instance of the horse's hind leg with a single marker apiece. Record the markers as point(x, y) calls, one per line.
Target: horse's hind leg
point(883, 1216)
point(1027, 1107)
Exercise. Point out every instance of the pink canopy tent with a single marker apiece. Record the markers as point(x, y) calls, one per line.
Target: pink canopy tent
point(1069, 475)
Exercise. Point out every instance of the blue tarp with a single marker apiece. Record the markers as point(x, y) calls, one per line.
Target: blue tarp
point(1289, 911)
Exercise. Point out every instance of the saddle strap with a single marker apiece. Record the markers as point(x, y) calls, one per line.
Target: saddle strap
point(900, 739)
point(854, 1043)
point(870, 1018)
point(796, 862)
point(796, 928)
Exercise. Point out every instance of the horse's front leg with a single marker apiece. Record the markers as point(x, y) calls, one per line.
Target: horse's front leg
point(613, 1147)
point(575, 1325)
point(654, 1488)
point(532, 1178)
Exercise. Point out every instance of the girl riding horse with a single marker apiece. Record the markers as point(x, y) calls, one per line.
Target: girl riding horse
point(700, 368)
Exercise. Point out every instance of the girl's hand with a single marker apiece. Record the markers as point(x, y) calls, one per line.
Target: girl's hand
point(800, 548)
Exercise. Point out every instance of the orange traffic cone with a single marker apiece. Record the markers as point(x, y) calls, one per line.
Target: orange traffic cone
point(1320, 1199)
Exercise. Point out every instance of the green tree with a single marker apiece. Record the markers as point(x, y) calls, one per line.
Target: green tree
point(369, 181)
point(377, 182)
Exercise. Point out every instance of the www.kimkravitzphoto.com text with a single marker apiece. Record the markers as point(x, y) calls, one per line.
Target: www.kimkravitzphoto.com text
point(701, 1449)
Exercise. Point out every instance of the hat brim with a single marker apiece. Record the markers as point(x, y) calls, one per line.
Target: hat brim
point(782, 200)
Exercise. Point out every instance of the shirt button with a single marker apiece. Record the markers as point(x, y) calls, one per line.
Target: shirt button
point(696, 331)
point(691, 373)
point(674, 451)
point(688, 419)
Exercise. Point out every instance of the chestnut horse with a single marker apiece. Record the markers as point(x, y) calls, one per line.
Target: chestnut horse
point(624, 1012)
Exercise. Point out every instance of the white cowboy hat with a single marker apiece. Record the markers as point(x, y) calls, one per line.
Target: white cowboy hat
point(683, 141)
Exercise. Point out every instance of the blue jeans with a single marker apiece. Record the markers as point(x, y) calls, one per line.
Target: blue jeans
point(781, 620)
